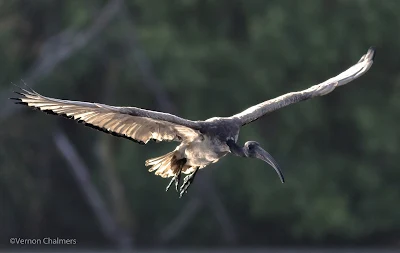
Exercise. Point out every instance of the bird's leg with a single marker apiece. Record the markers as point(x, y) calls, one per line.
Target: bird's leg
point(170, 183)
point(176, 178)
point(187, 181)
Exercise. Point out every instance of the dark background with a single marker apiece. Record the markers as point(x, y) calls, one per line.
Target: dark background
point(200, 59)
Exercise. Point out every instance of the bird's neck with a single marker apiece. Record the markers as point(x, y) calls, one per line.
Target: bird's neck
point(236, 149)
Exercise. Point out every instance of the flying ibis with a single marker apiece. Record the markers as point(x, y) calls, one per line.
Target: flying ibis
point(201, 142)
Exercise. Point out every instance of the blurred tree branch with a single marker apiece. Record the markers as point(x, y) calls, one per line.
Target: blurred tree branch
point(146, 70)
point(59, 48)
point(108, 225)
point(178, 224)
point(107, 158)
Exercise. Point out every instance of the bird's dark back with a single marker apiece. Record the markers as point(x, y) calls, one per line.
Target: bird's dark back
point(221, 128)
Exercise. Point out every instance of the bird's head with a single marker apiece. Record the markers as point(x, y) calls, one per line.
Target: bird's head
point(253, 149)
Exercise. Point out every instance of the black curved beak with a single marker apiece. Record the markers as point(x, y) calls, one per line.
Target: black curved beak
point(266, 157)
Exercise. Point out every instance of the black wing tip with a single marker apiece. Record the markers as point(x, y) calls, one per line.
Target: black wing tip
point(24, 91)
point(20, 103)
point(18, 100)
point(19, 93)
point(371, 53)
point(282, 178)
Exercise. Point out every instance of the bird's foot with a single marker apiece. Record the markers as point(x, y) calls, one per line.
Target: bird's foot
point(176, 179)
point(187, 181)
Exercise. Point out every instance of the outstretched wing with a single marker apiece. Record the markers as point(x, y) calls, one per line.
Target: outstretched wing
point(357, 70)
point(137, 124)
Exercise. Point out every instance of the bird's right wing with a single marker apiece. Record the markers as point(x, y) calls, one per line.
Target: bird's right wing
point(355, 71)
point(137, 124)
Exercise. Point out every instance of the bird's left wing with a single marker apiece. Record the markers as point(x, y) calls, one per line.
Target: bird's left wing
point(137, 124)
point(355, 71)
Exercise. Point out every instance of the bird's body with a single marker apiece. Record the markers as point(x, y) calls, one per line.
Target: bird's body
point(208, 147)
point(211, 146)
point(204, 150)
point(201, 142)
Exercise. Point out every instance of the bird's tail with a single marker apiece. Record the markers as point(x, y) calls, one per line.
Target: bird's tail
point(167, 165)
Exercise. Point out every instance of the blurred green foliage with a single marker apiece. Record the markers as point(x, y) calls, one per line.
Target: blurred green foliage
point(215, 58)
